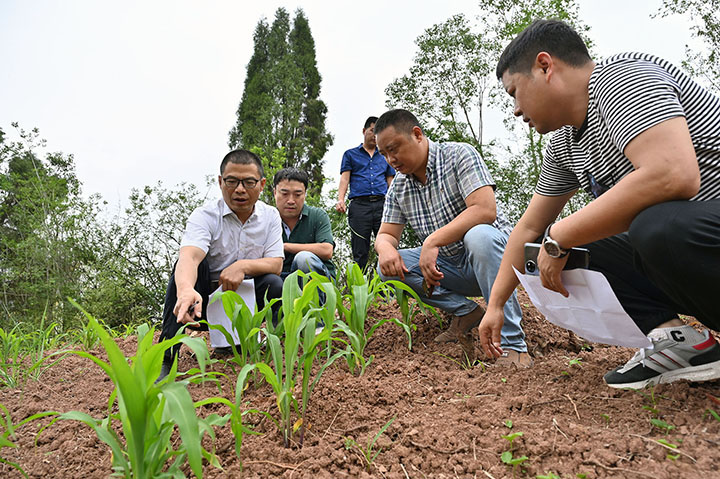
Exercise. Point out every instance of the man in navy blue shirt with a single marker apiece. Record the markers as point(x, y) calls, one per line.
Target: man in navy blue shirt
point(367, 173)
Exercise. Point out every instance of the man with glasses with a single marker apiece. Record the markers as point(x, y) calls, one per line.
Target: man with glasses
point(226, 241)
point(644, 139)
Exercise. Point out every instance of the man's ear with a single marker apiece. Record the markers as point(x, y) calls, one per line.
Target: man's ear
point(417, 133)
point(262, 183)
point(544, 61)
point(220, 180)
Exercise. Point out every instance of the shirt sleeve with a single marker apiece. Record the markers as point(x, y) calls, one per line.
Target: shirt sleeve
point(323, 231)
point(346, 164)
point(633, 96)
point(198, 230)
point(274, 245)
point(470, 170)
point(555, 179)
point(391, 211)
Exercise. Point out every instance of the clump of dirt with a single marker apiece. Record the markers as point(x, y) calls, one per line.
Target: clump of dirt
point(449, 420)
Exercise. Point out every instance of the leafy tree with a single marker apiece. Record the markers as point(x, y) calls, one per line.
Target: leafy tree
point(705, 16)
point(452, 82)
point(43, 230)
point(136, 252)
point(281, 106)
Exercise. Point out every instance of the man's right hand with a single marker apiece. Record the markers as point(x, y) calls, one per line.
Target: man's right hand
point(188, 307)
point(392, 264)
point(340, 206)
point(489, 332)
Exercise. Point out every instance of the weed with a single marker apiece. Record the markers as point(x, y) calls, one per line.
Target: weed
point(508, 457)
point(713, 413)
point(548, 475)
point(581, 475)
point(662, 425)
point(606, 418)
point(367, 452)
point(503, 380)
point(7, 432)
point(509, 424)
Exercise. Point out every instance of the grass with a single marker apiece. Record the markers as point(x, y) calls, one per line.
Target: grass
point(368, 452)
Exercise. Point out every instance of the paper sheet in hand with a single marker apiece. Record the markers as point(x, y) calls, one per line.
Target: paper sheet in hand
point(592, 310)
point(216, 313)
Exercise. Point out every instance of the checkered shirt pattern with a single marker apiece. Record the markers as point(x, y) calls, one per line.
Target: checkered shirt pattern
point(454, 170)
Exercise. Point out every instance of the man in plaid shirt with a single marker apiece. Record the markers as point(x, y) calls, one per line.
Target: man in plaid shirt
point(446, 194)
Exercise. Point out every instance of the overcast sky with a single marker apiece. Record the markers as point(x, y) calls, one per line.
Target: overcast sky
point(140, 91)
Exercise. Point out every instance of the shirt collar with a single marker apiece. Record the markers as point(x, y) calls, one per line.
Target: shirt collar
point(227, 211)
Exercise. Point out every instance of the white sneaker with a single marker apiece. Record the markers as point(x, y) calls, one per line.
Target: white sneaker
point(676, 353)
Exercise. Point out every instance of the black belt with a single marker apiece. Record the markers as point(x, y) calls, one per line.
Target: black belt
point(370, 198)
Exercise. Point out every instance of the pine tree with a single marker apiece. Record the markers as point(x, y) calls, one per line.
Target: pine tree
point(280, 107)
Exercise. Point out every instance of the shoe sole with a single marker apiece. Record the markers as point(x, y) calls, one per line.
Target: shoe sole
point(703, 372)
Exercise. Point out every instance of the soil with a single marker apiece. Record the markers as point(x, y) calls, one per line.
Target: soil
point(449, 420)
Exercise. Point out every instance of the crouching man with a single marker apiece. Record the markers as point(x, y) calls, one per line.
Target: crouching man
point(445, 192)
point(225, 241)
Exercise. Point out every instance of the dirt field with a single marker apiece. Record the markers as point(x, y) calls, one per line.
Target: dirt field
point(449, 420)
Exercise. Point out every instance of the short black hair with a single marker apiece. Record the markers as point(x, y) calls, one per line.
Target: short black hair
point(369, 121)
point(402, 120)
point(242, 157)
point(552, 36)
point(291, 174)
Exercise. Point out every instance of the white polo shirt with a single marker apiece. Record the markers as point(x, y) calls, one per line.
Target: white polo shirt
point(216, 229)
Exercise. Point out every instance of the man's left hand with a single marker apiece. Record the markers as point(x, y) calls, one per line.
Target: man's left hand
point(232, 276)
point(550, 269)
point(428, 264)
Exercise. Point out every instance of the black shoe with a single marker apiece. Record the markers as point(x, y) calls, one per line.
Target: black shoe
point(225, 352)
point(164, 370)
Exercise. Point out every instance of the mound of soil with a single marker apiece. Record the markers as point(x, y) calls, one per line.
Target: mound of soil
point(449, 420)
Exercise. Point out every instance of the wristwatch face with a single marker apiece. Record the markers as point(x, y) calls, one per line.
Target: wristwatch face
point(552, 248)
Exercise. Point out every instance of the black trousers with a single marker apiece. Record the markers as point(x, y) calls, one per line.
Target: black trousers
point(266, 283)
point(364, 217)
point(667, 263)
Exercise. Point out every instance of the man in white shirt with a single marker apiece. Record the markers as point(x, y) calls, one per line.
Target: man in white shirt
point(226, 241)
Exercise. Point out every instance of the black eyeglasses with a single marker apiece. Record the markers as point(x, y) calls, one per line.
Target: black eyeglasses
point(248, 183)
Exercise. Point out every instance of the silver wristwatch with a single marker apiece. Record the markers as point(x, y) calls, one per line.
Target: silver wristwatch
point(552, 248)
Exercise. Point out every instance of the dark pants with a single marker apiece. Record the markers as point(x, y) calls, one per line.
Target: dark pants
point(667, 263)
point(266, 283)
point(364, 217)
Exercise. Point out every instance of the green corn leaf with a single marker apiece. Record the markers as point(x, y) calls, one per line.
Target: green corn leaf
point(180, 405)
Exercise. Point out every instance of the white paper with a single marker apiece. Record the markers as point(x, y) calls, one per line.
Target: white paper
point(216, 313)
point(592, 310)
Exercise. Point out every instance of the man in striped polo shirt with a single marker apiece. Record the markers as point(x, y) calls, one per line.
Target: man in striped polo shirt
point(445, 193)
point(644, 140)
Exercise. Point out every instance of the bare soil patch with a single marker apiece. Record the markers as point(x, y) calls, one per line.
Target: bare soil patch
point(449, 420)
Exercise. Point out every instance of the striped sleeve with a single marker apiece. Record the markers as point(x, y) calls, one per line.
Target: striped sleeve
point(633, 96)
point(556, 176)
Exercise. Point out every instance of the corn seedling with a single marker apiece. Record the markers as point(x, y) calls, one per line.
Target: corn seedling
point(403, 293)
point(368, 452)
point(298, 323)
point(246, 325)
point(7, 432)
point(150, 412)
